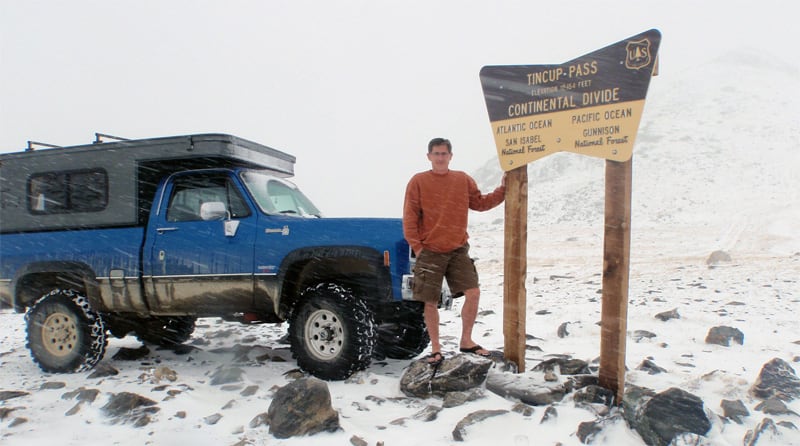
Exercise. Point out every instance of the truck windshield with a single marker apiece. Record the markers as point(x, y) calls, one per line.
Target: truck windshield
point(277, 196)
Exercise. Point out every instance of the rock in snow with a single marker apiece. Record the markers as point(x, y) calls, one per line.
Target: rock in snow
point(302, 407)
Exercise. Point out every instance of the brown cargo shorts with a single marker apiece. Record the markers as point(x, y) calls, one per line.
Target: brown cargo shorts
point(432, 267)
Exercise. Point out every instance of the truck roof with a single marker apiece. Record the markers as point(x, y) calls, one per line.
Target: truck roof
point(206, 145)
point(129, 170)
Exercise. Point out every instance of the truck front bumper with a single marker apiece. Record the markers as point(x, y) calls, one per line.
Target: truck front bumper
point(445, 299)
point(407, 287)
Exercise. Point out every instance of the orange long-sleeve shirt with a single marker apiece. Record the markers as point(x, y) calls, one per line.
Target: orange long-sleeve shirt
point(436, 207)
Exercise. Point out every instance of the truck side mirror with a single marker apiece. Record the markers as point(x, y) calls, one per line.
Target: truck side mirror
point(213, 210)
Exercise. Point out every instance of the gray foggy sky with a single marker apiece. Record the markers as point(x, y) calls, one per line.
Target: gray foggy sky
point(353, 89)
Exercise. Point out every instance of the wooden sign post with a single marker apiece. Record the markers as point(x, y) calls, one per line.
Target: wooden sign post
point(515, 265)
point(616, 266)
point(591, 105)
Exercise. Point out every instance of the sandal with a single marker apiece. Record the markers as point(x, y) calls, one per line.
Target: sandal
point(434, 359)
point(474, 350)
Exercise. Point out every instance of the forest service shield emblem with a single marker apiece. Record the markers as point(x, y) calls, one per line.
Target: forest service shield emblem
point(638, 54)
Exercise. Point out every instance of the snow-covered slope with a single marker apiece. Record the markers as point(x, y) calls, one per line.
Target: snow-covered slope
point(717, 148)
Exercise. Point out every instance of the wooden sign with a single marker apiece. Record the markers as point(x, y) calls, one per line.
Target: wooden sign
point(591, 105)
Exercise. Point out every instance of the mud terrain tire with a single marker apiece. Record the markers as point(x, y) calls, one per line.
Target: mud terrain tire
point(64, 334)
point(332, 332)
point(403, 336)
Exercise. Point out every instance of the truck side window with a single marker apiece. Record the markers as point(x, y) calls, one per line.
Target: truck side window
point(190, 192)
point(68, 191)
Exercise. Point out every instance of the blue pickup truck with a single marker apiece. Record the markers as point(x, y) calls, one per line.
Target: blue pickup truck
point(145, 236)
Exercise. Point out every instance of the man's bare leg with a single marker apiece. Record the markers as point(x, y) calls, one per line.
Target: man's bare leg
point(431, 314)
point(469, 313)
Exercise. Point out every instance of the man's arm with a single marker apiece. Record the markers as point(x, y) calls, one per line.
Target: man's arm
point(480, 202)
point(411, 217)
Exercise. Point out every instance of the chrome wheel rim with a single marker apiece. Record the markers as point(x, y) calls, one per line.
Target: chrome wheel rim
point(325, 334)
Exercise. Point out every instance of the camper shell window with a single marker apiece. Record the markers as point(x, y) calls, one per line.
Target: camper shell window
point(68, 192)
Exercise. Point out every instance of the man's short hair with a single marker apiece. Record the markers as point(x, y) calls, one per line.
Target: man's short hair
point(440, 142)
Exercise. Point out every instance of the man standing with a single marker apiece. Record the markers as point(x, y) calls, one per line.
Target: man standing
point(435, 225)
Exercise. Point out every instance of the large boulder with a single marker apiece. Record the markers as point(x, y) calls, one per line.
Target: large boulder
point(718, 257)
point(10, 394)
point(302, 407)
point(633, 400)
point(227, 374)
point(774, 406)
point(460, 431)
point(776, 380)
point(724, 335)
point(565, 365)
point(130, 408)
point(765, 431)
point(527, 389)
point(662, 417)
point(734, 410)
point(456, 374)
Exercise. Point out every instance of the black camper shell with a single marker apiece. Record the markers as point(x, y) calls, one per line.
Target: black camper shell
point(111, 184)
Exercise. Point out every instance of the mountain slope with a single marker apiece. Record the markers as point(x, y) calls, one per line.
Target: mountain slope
point(716, 149)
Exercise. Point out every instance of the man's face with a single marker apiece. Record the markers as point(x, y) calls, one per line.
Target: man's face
point(440, 158)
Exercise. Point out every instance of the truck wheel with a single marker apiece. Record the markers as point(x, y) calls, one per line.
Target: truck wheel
point(166, 331)
point(403, 336)
point(64, 334)
point(332, 333)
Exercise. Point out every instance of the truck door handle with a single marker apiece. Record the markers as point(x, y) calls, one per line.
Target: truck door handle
point(163, 230)
point(283, 231)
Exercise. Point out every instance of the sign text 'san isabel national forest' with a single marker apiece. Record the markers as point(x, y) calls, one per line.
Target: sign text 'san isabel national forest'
point(591, 105)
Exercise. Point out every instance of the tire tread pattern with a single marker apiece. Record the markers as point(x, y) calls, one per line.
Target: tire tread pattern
point(358, 323)
point(94, 337)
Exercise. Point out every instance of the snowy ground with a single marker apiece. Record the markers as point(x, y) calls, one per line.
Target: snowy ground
point(710, 173)
point(757, 292)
